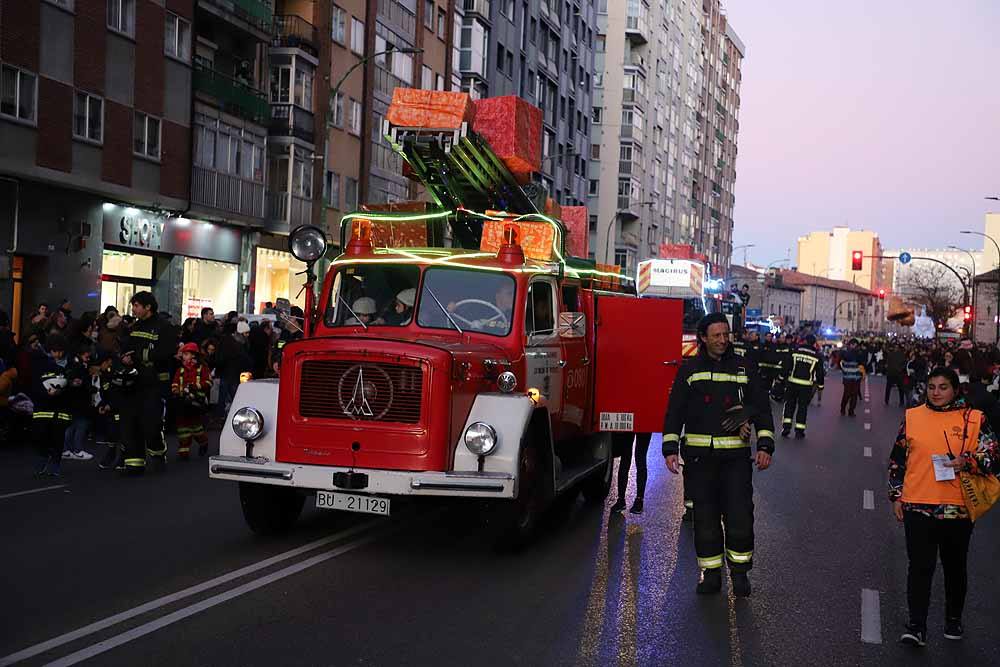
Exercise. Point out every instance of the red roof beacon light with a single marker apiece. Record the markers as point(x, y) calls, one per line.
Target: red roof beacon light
point(361, 238)
point(511, 252)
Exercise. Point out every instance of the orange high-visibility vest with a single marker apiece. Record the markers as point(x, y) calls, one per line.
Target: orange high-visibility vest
point(926, 435)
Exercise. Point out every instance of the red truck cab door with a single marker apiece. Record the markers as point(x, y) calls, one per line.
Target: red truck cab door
point(638, 354)
point(573, 327)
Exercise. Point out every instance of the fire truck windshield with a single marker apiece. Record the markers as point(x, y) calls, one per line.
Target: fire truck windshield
point(479, 301)
point(373, 295)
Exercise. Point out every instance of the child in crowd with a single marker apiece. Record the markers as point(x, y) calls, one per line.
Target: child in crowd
point(191, 386)
point(48, 392)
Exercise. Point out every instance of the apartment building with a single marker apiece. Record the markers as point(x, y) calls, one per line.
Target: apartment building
point(542, 51)
point(828, 254)
point(645, 144)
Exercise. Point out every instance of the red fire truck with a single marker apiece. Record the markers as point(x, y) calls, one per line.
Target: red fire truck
point(487, 363)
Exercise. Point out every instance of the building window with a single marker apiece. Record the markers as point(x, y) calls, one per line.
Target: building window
point(304, 88)
point(507, 9)
point(331, 190)
point(338, 26)
point(596, 115)
point(442, 23)
point(426, 78)
point(595, 151)
point(357, 36)
point(177, 37)
point(338, 110)
point(595, 186)
point(121, 16)
point(593, 223)
point(429, 14)
point(350, 193)
point(18, 93)
point(146, 136)
point(355, 118)
point(438, 82)
point(88, 117)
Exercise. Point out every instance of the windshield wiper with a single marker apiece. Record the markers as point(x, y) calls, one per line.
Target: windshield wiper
point(353, 314)
point(444, 310)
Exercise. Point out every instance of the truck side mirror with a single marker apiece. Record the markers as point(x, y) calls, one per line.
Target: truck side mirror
point(572, 325)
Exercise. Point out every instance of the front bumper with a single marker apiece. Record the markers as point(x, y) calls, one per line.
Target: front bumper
point(382, 482)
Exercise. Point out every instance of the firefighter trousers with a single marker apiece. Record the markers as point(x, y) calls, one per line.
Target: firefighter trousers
point(721, 488)
point(797, 399)
point(142, 426)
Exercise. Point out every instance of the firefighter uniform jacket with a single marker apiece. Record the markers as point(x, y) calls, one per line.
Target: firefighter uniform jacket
point(747, 351)
point(770, 359)
point(47, 406)
point(804, 368)
point(152, 344)
point(701, 395)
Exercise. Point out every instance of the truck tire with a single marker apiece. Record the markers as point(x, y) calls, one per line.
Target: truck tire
point(518, 518)
point(270, 510)
point(597, 487)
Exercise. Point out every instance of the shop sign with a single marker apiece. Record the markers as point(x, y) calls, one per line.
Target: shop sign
point(144, 230)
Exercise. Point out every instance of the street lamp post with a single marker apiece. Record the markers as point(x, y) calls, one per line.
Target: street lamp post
point(763, 303)
point(626, 216)
point(744, 248)
point(996, 340)
point(972, 283)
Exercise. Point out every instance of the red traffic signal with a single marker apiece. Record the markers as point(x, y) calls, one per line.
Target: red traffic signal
point(881, 293)
point(968, 313)
point(856, 258)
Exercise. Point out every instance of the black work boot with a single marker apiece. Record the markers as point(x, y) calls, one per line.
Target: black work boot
point(636, 506)
point(740, 584)
point(158, 462)
point(799, 434)
point(785, 432)
point(109, 460)
point(619, 506)
point(711, 582)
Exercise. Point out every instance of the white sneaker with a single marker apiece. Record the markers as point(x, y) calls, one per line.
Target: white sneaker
point(68, 454)
point(82, 456)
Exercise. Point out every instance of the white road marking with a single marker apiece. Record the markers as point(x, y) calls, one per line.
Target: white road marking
point(24, 493)
point(111, 621)
point(868, 426)
point(868, 411)
point(871, 617)
point(208, 603)
point(868, 500)
point(868, 452)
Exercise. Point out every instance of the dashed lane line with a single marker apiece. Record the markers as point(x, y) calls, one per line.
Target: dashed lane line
point(871, 617)
point(208, 603)
point(39, 490)
point(868, 426)
point(868, 452)
point(868, 500)
point(111, 621)
point(868, 411)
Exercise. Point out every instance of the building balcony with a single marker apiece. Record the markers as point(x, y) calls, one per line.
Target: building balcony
point(637, 24)
point(294, 32)
point(479, 8)
point(633, 96)
point(227, 192)
point(286, 211)
point(234, 97)
point(289, 120)
point(257, 14)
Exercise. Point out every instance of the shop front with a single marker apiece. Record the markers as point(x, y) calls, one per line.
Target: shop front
point(187, 264)
point(278, 278)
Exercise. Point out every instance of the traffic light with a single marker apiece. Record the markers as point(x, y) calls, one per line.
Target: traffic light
point(856, 258)
point(881, 293)
point(968, 313)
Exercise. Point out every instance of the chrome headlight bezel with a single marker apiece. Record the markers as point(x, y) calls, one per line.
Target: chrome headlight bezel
point(307, 243)
point(480, 439)
point(248, 424)
point(507, 382)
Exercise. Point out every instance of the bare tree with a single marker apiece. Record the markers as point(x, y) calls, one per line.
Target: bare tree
point(935, 287)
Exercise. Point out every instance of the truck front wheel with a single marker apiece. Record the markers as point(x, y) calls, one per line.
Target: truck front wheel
point(519, 517)
point(270, 510)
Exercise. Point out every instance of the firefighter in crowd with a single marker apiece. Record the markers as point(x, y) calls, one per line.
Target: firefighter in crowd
point(747, 347)
point(853, 371)
point(191, 386)
point(803, 375)
point(717, 399)
point(148, 347)
point(770, 361)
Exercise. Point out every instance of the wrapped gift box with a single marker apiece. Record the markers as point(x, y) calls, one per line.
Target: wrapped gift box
point(513, 129)
point(535, 238)
point(575, 218)
point(432, 109)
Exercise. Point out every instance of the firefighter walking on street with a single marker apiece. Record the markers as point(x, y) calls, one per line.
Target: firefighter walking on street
point(148, 347)
point(803, 375)
point(770, 362)
point(717, 400)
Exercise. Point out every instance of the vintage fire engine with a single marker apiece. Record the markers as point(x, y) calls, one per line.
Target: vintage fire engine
point(487, 363)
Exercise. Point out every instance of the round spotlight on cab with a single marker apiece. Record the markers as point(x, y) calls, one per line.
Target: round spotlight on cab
point(481, 439)
point(248, 424)
point(307, 243)
point(507, 382)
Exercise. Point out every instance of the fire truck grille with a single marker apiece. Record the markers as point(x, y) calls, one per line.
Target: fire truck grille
point(361, 391)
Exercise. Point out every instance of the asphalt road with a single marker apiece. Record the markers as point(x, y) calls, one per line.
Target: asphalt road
point(163, 571)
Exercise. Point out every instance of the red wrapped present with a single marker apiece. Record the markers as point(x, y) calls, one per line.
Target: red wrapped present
point(575, 218)
point(513, 129)
point(432, 109)
point(552, 208)
point(535, 237)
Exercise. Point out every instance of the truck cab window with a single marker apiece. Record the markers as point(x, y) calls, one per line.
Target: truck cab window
point(372, 294)
point(571, 298)
point(539, 315)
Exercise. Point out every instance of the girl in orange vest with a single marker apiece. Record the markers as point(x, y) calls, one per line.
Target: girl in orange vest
point(191, 386)
point(935, 442)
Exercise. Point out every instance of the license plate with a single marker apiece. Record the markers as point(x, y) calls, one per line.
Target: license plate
point(348, 502)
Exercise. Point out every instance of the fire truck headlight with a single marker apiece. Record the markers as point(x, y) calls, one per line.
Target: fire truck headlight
point(507, 382)
point(307, 243)
point(481, 439)
point(248, 424)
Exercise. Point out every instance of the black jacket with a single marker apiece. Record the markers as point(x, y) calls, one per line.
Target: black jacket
point(152, 343)
point(804, 366)
point(701, 395)
point(44, 367)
